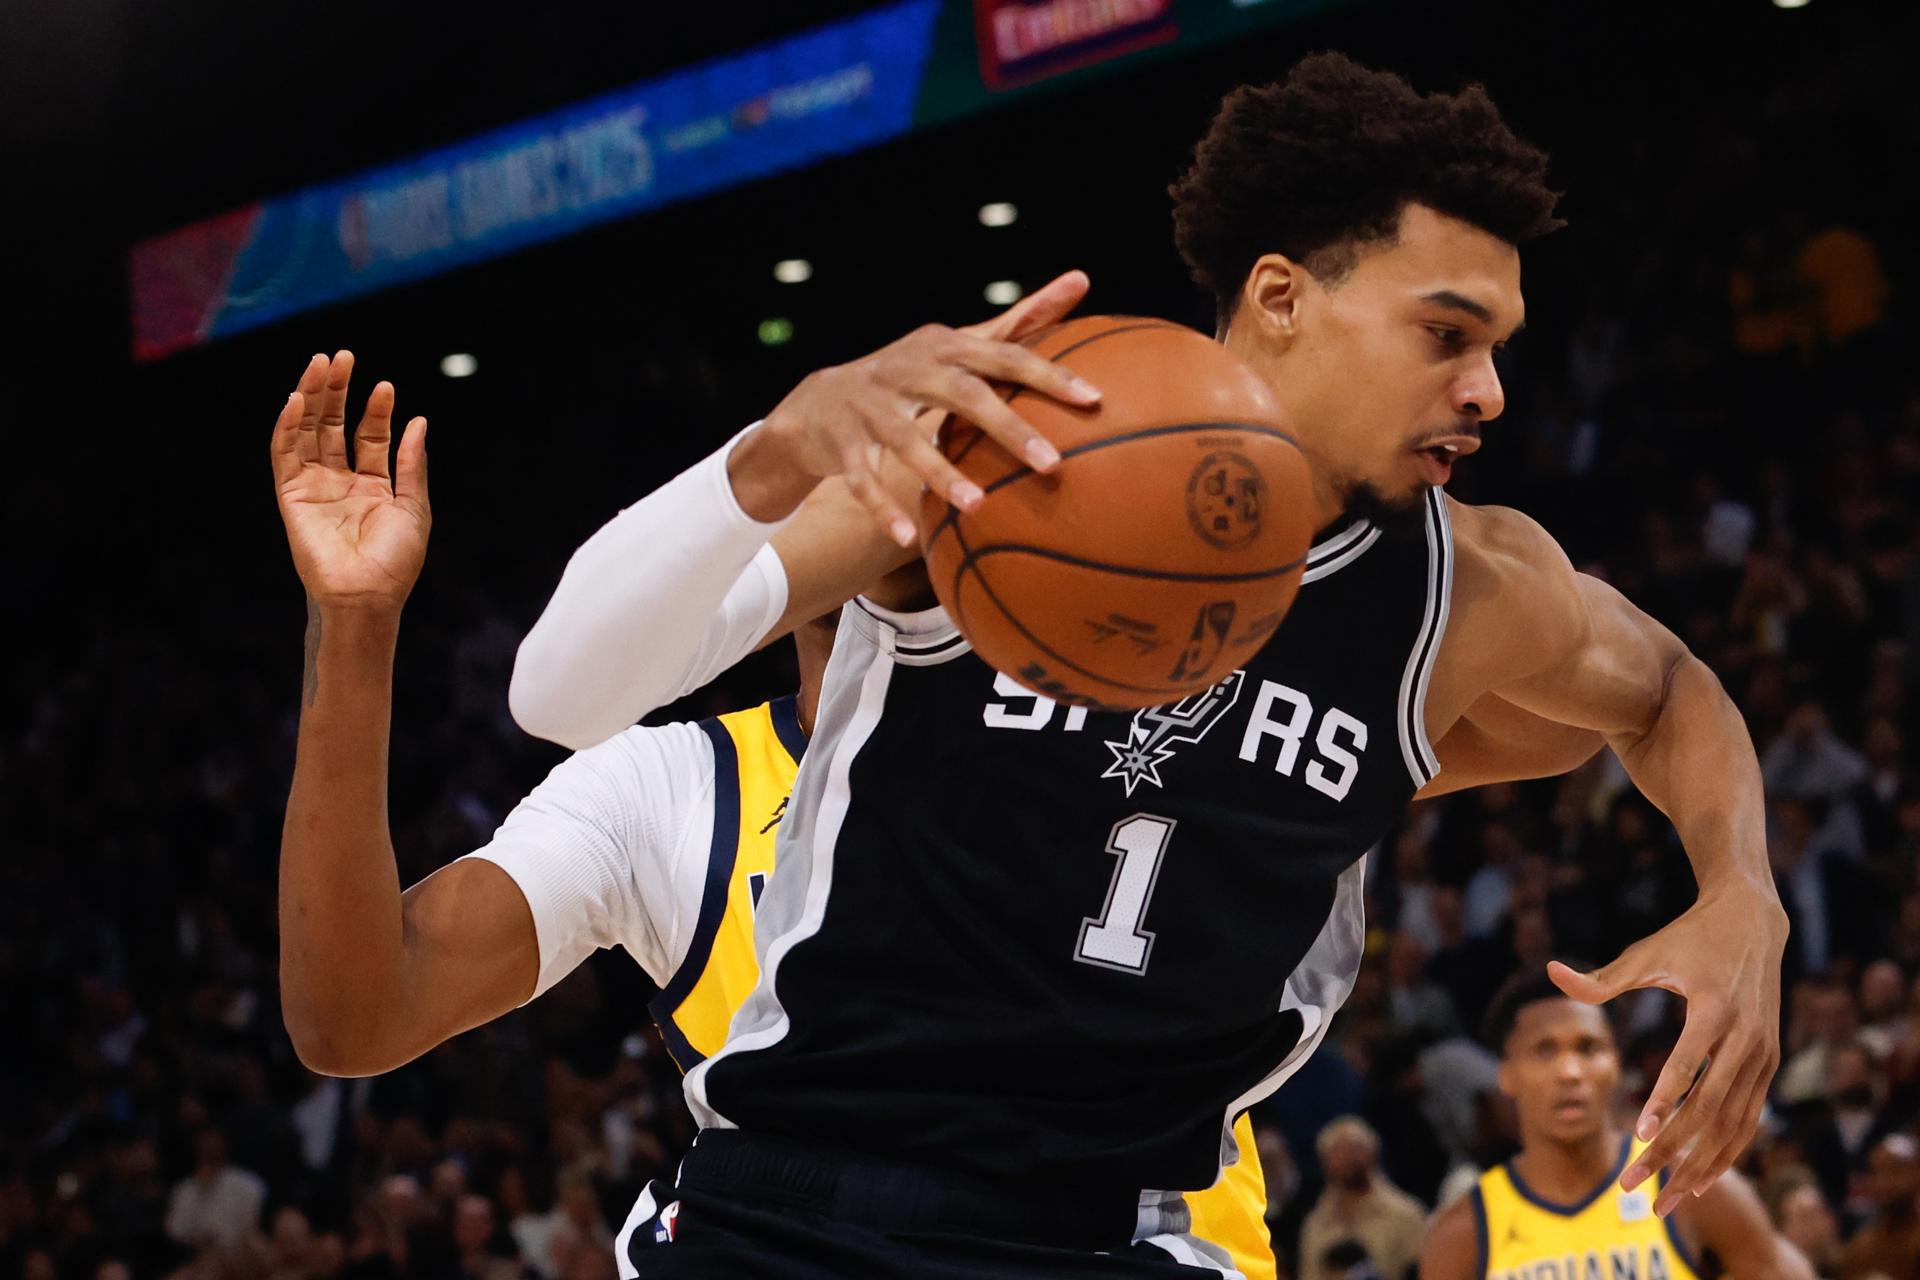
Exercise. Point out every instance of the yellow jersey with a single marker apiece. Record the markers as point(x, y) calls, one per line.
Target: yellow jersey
point(1609, 1235)
point(756, 754)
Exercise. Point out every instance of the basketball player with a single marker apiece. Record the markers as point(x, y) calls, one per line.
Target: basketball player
point(1022, 966)
point(1555, 1211)
point(660, 839)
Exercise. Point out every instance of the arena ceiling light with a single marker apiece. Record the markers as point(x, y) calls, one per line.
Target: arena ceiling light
point(775, 331)
point(1003, 293)
point(793, 271)
point(459, 365)
point(1790, 4)
point(998, 214)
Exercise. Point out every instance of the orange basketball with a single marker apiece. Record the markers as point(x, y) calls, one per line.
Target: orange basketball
point(1164, 549)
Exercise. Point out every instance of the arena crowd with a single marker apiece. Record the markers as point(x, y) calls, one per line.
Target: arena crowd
point(1720, 427)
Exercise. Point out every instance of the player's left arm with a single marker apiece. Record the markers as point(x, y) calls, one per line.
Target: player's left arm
point(1567, 648)
point(1729, 1219)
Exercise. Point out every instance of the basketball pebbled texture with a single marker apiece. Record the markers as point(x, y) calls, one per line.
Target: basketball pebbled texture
point(1160, 554)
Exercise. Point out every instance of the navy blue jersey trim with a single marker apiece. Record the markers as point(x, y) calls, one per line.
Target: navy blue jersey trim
point(679, 1048)
point(786, 725)
point(1570, 1210)
point(1481, 1251)
point(1673, 1236)
point(724, 849)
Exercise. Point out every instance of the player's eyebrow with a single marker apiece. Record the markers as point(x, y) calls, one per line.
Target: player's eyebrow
point(1460, 302)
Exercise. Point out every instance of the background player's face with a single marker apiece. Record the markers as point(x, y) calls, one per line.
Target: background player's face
point(1396, 358)
point(1560, 1067)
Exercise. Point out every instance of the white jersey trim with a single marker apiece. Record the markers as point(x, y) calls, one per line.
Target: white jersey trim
point(643, 1210)
point(1195, 1252)
point(1318, 569)
point(1316, 989)
point(858, 674)
point(923, 638)
point(1415, 748)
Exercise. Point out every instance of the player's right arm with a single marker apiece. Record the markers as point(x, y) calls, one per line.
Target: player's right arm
point(684, 583)
point(368, 979)
point(1451, 1250)
point(372, 977)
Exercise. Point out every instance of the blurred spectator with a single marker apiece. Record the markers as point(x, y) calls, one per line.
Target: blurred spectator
point(1359, 1207)
point(1716, 417)
point(1889, 1244)
point(218, 1204)
point(1805, 1219)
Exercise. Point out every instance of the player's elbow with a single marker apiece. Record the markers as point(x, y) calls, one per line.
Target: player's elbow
point(325, 1053)
point(537, 700)
point(335, 1045)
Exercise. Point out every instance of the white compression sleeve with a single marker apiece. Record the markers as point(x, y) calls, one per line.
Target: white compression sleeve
point(664, 597)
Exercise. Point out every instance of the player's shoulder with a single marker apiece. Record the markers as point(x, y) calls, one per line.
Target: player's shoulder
point(1508, 569)
point(1452, 1248)
point(1504, 543)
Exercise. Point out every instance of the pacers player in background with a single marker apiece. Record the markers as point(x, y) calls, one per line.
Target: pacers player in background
point(1556, 1211)
point(658, 840)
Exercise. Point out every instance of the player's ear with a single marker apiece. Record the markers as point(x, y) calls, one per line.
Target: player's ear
point(1272, 299)
point(1505, 1079)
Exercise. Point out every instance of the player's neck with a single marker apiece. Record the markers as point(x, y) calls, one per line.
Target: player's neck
point(1566, 1172)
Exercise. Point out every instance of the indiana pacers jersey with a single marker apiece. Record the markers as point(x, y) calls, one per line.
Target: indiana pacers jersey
point(1065, 948)
point(756, 754)
point(1609, 1235)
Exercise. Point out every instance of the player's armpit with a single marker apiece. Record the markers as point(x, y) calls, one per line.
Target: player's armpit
point(1496, 741)
point(1452, 1249)
point(1729, 1219)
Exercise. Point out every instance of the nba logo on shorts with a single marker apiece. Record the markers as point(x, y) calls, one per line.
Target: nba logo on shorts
point(669, 1218)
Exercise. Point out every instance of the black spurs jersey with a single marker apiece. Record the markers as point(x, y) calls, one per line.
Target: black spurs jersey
point(1045, 944)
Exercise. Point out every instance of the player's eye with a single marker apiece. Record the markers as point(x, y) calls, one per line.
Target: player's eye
point(1450, 338)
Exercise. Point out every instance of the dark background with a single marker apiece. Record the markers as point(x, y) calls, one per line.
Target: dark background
point(147, 701)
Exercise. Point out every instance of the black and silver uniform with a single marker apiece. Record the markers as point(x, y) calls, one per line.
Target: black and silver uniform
point(1038, 943)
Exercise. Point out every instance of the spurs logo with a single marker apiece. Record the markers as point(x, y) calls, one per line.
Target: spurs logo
point(1155, 732)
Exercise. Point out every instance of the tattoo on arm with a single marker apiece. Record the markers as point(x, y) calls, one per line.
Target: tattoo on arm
point(310, 683)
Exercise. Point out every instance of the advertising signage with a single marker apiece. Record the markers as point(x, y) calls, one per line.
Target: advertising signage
point(839, 88)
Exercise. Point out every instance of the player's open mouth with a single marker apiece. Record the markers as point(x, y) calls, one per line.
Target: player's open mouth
point(1436, 463)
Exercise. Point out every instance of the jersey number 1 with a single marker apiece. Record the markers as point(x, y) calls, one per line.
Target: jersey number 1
point(1117, 939)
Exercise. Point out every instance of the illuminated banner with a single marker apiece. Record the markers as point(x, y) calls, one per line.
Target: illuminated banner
point(852, 84)
point(1022, 41)
point(836, 89)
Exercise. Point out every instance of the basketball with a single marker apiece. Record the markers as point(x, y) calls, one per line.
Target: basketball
point(1164, 549)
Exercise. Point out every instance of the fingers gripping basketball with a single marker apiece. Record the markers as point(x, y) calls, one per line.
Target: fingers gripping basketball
point(1162, 552)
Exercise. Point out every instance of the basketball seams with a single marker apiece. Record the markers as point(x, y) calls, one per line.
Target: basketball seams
point(1030, 342)
point(1093, 446)
point(1126, 571)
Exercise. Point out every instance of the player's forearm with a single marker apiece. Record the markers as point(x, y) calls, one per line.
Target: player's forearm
point(633, 623)
point(1696, 762)
point(342, 949)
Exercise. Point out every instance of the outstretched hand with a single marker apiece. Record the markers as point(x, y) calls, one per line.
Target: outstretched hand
point(850, 419)
point(358, 530)
point(1723, 958)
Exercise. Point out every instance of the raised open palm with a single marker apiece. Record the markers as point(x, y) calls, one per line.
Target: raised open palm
point(358, 531)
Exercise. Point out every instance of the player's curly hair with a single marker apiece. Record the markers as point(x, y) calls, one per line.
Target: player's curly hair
point(1527, 987)
point(1321, 164)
